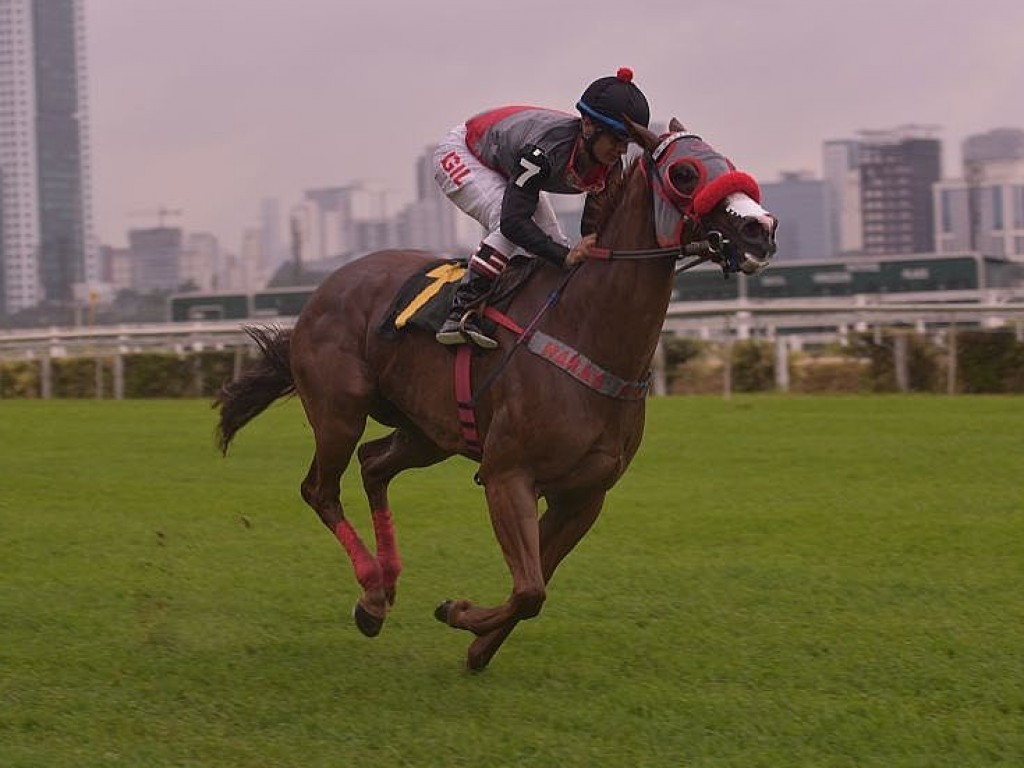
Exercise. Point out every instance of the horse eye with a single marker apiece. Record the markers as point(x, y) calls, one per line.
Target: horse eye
point(684, 177)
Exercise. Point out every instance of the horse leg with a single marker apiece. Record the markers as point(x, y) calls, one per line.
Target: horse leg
point(512, 502)
point(336, 434)
point(562, 526)
point(380, 460)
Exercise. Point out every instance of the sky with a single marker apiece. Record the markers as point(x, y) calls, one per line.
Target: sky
point(209, 106)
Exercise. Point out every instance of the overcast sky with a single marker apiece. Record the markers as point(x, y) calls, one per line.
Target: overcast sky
point(210, 105)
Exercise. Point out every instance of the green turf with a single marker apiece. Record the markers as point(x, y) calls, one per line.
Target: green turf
point(776, 582)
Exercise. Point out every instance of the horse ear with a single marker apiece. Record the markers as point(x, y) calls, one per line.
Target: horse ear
point(674, 126)
point(645, 138)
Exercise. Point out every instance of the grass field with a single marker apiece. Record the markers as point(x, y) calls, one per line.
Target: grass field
point(777, 582)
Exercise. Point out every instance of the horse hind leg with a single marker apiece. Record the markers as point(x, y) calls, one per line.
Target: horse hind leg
point(380, 461)
point(336, 436)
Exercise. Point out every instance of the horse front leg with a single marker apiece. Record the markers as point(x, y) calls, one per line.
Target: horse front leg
point(562, 526)
point(512, 502)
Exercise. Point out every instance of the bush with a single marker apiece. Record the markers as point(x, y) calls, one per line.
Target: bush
point(703, 375)
point(926, 370)
point(753, 366)
point(989, 362)
point(830, 374)
point(19, 378)
point(76, 377)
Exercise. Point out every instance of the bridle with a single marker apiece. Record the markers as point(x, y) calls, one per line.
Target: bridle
point(687, 210)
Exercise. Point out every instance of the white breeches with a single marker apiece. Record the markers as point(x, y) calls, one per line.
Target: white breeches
point(478, 191)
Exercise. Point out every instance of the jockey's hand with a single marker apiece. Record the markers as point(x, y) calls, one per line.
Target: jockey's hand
point(581, 250)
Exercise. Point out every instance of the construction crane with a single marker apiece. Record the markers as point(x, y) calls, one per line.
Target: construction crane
point(160, 213)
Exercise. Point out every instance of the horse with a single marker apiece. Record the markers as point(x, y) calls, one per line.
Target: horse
point(546, 430)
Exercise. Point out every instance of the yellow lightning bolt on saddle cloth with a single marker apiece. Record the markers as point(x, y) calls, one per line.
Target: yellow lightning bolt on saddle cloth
point(425, 299)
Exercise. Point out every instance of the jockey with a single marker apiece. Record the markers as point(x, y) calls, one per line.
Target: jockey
point(496, 165)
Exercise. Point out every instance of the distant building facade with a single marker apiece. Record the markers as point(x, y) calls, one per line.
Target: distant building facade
point(841, 173)
point(343, 223)
point(897, 170)
point(47, 247)
point(429, 222)
point(803, 206)
point(984, 210)
point(272, 245)
point(200, 261)
point(156, 257)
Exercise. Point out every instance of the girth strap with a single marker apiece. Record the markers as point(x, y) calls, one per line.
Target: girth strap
point(464, 400)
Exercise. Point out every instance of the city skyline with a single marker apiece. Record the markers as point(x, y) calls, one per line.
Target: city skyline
point(242, 100)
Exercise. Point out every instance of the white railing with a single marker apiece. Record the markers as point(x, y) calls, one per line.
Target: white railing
point(792, 324)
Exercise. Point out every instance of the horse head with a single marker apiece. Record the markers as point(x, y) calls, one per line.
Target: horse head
point(699, 195)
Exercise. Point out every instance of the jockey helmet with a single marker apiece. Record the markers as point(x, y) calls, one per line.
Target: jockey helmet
point(607, 99)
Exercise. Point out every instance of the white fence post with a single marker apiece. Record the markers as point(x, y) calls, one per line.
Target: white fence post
point(782, 363)
point(951, 383)
point(900, 343)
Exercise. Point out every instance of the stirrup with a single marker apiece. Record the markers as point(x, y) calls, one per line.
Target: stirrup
point(467, 332)
point(450, 333)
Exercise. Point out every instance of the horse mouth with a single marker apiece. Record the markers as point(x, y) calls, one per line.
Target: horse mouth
point(754, 243)
point(752, 265)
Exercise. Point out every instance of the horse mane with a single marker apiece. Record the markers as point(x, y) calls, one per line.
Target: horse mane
point(600, 205)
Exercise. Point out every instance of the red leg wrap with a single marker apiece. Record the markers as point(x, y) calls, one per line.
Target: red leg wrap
point(368, 572)
point(387, 548)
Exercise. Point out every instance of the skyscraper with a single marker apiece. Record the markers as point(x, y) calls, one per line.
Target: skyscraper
point(47, 247)
point(803, 205)
point(984, 210)
point(897, 170)
point(841, 165)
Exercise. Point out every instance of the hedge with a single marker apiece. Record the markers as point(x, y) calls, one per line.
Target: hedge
point(145, 375)
point(987, 362)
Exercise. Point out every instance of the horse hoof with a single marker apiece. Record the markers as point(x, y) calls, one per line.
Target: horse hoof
point(442, 611)
point(368, 624)
point(477, 662)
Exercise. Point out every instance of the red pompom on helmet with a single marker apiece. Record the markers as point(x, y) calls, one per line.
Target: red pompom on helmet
point(609, 99)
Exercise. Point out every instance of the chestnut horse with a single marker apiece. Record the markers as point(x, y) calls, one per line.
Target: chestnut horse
point(544, 431)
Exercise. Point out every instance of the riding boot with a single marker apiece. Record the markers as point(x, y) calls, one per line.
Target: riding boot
point(463, 324)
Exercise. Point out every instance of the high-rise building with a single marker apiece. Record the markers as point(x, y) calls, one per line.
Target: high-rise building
point(429, 222)
point(984, 210)
point(841, 171)
point(156, 256)
point(274, 252)
point(47, 248)
point(897, 170)
point(200, 261)
point(803, 206)
point(344, 223)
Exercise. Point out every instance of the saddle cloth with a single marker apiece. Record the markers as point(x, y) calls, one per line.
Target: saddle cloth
point(426, 298)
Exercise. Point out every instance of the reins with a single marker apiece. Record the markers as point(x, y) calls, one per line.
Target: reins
point(701, 250)
point(523, 333)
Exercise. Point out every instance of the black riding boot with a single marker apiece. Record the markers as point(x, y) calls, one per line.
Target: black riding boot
point(462, 325)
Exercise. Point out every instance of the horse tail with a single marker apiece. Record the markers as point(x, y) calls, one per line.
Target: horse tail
point(245, 398)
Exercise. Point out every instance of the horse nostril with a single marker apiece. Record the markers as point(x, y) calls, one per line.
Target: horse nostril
point(752, 231)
